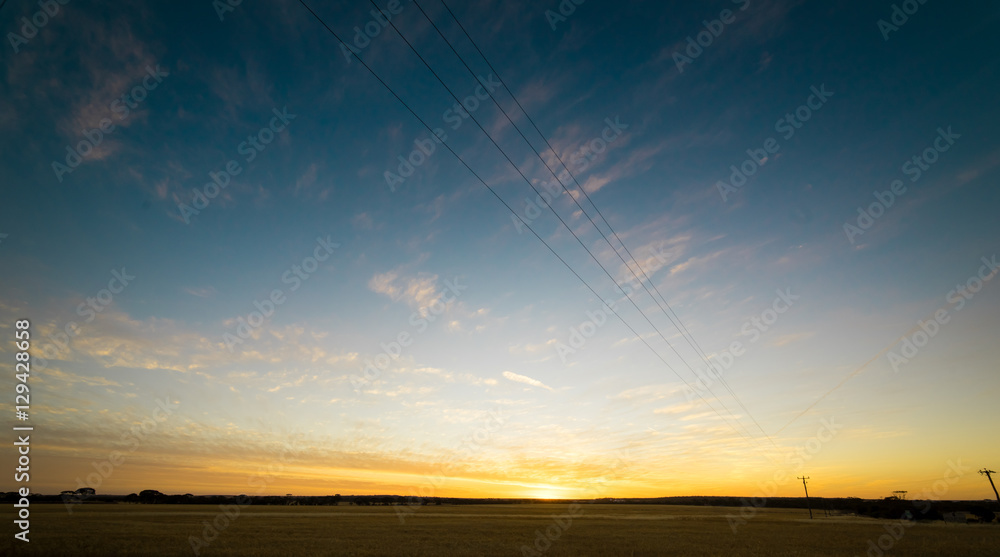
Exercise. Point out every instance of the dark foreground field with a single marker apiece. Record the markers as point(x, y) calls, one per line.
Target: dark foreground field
point(154, 530)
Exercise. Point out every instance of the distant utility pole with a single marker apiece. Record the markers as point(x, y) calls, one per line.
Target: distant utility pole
point(987, 473)
point(804, 478)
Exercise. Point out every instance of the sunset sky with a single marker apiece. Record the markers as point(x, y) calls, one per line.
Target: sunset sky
point(141, 294)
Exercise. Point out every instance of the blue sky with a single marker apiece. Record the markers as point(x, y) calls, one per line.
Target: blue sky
point(719, 261)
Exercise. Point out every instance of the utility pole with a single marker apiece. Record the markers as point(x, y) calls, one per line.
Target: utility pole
point(987, 473)
point(804, 478)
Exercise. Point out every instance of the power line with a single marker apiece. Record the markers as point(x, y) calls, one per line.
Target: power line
point(509, 208)
point(850, 376)
point(678, 324)
point(532, 186)
point(570, 173)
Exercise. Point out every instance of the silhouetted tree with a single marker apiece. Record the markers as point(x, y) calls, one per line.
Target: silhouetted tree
point(150, 496)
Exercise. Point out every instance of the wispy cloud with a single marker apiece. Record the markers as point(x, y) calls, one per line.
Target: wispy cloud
point(418, 291)
point(511, 376)
point(202, 292)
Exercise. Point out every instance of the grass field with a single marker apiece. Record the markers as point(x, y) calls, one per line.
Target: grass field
point(155, 530)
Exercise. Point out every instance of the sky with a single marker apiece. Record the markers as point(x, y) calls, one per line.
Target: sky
point(248, 267)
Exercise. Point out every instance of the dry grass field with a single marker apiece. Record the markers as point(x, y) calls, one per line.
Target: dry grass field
point(487, 530)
